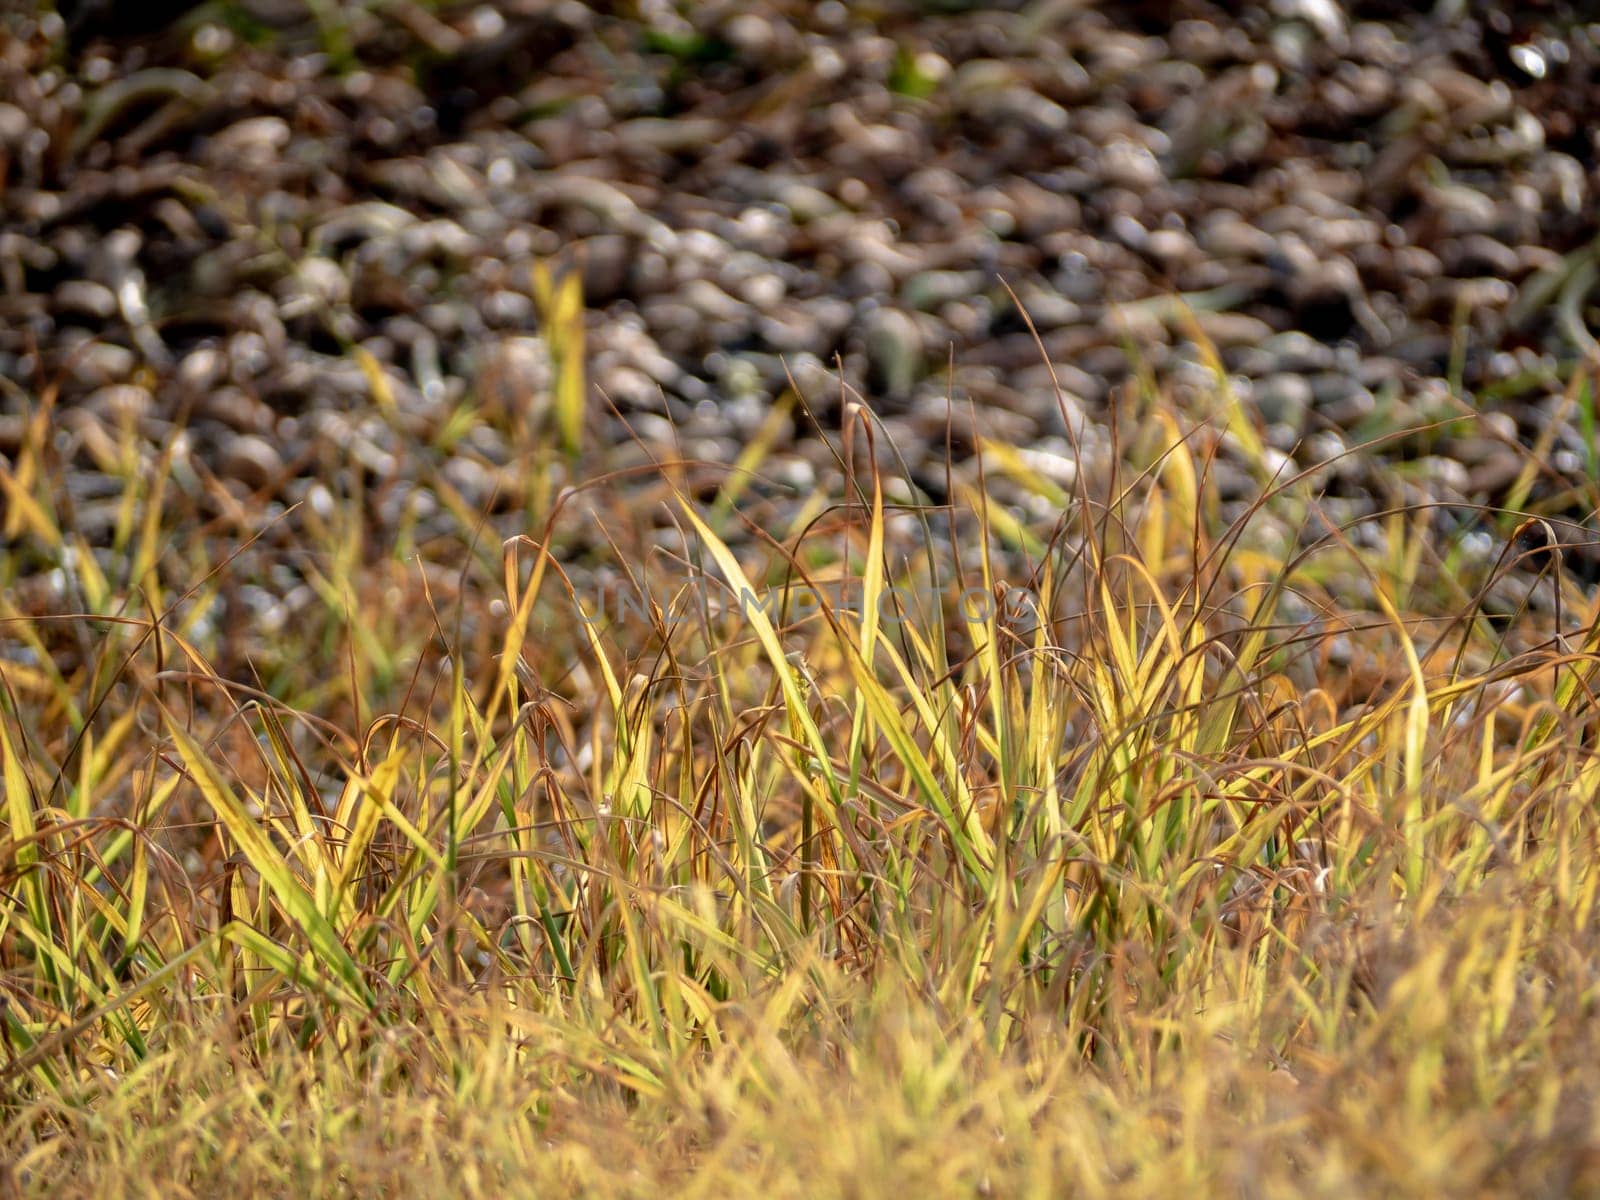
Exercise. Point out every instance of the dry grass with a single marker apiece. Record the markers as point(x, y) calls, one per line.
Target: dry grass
point(1241, 856)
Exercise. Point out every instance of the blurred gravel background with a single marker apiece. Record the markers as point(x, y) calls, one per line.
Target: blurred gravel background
point(1384, 216)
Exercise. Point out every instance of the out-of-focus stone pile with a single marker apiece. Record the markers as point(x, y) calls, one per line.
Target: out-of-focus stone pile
point(1382, 218)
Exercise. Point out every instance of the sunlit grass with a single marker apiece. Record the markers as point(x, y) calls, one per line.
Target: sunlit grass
point(1155, 848)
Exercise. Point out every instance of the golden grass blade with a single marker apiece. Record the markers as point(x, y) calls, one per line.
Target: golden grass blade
point(24, 832)
point(794, 699)
point(253, 841)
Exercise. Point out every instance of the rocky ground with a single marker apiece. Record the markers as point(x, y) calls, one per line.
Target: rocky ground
point(1383, 216)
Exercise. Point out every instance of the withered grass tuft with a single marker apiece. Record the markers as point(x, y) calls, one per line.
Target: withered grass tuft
point(1090, 834)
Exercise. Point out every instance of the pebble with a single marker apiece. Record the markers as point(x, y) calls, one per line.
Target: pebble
point(1126, 164)
point(1284, 400)
point(252, 460)
point(1477, 254)
point(120, 403)
point(1340, 399)
point(99, 363)
point(790, 328)
point(1229, 329)
point(235, 408)
point(1229, 236)
point(84, 297)
point(928, 290)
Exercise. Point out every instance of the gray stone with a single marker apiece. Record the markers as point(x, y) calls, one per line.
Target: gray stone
point(1284, 400)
